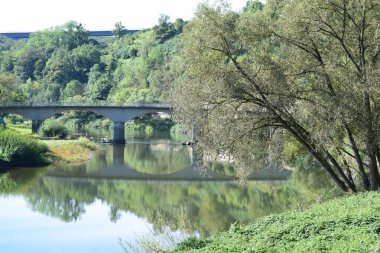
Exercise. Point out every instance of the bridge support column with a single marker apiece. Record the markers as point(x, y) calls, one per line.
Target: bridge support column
point(36, 124)
point(119, 132)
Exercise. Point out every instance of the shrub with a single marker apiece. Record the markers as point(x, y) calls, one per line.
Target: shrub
point(20, 150)
point(347, 224)
point(53, 128)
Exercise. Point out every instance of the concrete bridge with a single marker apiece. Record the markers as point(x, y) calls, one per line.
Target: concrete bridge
point(119, 114)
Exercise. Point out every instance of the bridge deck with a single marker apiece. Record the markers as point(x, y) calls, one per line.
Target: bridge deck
point(86, 105)
point(26, 35)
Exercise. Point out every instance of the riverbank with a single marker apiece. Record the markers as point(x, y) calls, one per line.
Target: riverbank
point(70, 151)
point(19, 147)
point(345, 224)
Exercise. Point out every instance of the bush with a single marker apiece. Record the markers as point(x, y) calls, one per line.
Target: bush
point(53, 128)
point(348, 224)
point(20, 150)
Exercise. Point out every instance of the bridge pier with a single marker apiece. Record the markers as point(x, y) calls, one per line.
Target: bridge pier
point(36, 124)
point(119, 132)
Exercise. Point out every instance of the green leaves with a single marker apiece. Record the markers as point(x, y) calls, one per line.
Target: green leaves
point(53, 128)
point(20, 150)
point(294, 68)
point(348, 224)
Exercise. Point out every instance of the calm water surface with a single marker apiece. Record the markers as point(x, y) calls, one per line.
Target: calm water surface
point(124, 193)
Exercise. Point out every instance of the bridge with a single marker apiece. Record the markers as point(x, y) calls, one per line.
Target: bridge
point(26, 35)
point(119, 114)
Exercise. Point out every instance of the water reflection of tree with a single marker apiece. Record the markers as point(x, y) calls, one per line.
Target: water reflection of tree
point(157, 158)
point(63, 199)
point(204, 207)
point(190, 206)
point(19, 181)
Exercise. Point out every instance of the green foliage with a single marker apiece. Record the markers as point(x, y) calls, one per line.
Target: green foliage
point(343, 225)
point(31, 63)
point(118, 30)
point(9, 91)
point(69, 36)
point(72, 89)
point(130, 68)
point(6, 61)
point(155, 122)
point(6, 43)
point(99, 84)
point(59, 68)
point(133, 95)
point(166, 30)
point(288, 68)
point(20, 150)
point(292, 151)
point(253, 6)
point(223, 168)
point(75, 119)
point(83, 58)
point(192, 243)
point(180, 130)
point(53, 128)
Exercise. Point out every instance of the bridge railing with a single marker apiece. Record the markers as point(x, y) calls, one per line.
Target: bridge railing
point(86, 104)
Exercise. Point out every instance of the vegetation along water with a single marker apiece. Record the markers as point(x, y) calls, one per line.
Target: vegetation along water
point(279, 104)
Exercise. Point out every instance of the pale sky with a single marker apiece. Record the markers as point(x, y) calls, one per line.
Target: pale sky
point(34, 15)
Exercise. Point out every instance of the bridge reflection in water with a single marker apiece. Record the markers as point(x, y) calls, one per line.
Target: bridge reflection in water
point(119, 167)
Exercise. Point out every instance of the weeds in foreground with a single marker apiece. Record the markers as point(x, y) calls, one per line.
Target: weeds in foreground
point(155, 241)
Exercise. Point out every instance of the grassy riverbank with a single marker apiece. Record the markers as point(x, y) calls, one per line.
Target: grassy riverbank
point(19, 147)
point(20, 150)
point(70, 151)
point(346, 224)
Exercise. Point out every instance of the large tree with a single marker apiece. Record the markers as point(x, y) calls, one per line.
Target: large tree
point(299, 68)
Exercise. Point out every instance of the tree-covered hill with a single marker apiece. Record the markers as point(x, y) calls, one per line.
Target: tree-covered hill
point(64, 64)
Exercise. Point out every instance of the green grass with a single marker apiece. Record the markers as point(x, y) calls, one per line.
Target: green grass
point(20, 150)
point(61, 151)
point(22, 129)
point(347, 224)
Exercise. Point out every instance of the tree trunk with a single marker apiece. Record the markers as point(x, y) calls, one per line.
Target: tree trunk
point(323, 162)
point(350, 183)
point(359, 161)
point(374, 176)
point(373, 172)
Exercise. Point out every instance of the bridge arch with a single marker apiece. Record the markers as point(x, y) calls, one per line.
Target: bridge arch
point(118, 114)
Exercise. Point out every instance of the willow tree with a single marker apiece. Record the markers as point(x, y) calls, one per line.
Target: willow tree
point(300, 68)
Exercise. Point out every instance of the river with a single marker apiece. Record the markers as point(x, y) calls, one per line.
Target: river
point(143, 190)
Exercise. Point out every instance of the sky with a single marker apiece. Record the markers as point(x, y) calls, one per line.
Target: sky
point(34, 15)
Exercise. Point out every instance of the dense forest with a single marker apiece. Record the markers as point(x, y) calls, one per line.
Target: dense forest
point(64, 64)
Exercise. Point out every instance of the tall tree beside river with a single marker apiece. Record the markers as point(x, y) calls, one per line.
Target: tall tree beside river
point(302, 71)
